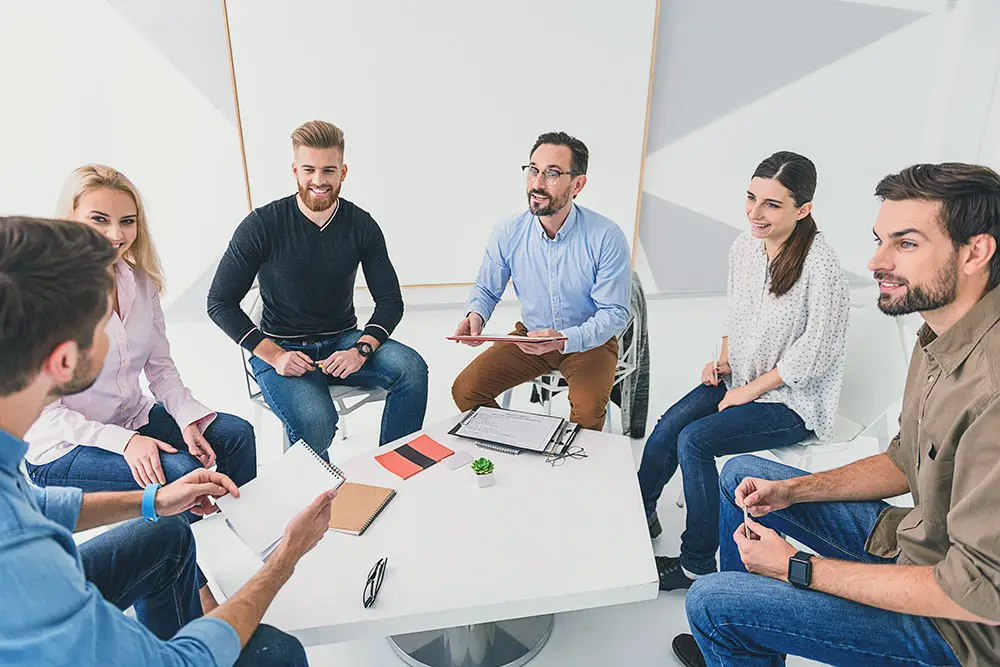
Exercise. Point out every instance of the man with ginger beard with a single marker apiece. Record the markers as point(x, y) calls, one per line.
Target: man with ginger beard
point(305, 250)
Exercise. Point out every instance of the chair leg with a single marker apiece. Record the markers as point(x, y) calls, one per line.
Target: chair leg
point(285, 442)
point(505, 401)
point(342, 421)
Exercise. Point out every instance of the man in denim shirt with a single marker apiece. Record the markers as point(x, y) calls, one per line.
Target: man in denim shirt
point(62, 605)
point(572, 274)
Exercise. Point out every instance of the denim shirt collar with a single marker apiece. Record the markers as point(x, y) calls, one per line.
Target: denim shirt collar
point(12, 451)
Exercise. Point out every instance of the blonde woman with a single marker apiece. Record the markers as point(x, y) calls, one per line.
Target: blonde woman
point(113, 437)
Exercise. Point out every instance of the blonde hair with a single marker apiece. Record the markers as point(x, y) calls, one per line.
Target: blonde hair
point(142, 255)
point(318, 134)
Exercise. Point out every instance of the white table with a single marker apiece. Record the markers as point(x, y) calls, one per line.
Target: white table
point(540, 541)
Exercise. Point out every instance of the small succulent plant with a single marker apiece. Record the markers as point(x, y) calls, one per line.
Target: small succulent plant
point(482, 466)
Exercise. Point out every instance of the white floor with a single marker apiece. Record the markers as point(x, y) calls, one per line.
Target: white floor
point(683, 333)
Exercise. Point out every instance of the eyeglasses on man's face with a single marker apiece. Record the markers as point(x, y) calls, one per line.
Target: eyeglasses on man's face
point(551, 175)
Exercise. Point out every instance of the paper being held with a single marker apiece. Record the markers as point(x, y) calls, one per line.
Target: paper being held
point(508, 339)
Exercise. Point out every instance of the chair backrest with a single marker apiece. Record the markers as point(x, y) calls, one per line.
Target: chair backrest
point(874, 366)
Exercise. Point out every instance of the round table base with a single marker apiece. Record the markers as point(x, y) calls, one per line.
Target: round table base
point(502, 644)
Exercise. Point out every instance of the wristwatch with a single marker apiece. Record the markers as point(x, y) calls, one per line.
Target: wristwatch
point(364, 348)
point(800, 570)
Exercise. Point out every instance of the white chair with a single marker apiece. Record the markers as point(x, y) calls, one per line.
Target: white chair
point(346, 399)
point(549, 385)
point(875, 363)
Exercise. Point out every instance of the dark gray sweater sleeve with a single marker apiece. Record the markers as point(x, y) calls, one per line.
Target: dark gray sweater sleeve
point(380, 276)
point(233, 279)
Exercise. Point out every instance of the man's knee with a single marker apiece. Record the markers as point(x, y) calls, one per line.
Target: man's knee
point(404, 363)
point(589, 409)
point(740, 467)
point(712, 594)
point(270, 646)
point(319, 430)
point(467, 390)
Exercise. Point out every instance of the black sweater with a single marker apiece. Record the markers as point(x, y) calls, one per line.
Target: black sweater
point(306, 275)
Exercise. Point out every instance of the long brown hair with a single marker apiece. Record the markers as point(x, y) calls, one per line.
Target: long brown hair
point(798, 174)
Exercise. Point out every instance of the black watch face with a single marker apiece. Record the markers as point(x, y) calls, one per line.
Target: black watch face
point(364, 348)
point(798, 572)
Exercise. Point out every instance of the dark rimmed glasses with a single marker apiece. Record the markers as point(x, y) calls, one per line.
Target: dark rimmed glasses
point(574, 452)
point(552, 175)
point(374, 582)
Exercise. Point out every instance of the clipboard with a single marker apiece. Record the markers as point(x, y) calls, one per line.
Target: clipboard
point(561, 439)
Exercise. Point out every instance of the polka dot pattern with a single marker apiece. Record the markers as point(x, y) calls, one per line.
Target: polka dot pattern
point(802, 333)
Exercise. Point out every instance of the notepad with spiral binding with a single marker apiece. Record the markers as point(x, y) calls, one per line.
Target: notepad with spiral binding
point(280, 491)
point(357, 506)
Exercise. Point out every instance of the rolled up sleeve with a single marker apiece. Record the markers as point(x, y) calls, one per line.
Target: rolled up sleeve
point(970, 571)
point(60, 504)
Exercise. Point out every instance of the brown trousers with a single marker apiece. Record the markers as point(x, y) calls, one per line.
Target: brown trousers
point(504, 366)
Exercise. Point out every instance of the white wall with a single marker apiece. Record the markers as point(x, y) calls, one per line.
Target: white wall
point(887, 87)
point(87, 81)
point(441, 102)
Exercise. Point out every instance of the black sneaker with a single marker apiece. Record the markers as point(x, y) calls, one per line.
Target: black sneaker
point(672, 577)
point(653, 522)
point(687, 651)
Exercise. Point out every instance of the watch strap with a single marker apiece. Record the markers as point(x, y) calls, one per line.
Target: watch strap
point(148, 502)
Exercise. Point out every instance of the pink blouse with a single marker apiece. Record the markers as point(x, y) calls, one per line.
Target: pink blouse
point(109, 413)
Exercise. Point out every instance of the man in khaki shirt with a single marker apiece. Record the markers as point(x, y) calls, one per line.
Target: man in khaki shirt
point(890, 585)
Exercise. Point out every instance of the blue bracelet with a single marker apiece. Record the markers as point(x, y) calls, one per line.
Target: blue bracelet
point(148, 500)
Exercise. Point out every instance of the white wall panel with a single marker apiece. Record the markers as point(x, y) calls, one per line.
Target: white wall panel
point(81, 82)
point(441, 102)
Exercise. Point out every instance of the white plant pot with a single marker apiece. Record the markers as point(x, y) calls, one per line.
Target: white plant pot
point(484, 480)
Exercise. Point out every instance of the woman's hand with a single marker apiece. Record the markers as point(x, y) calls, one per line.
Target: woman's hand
point(738, 396)
point(143, 457)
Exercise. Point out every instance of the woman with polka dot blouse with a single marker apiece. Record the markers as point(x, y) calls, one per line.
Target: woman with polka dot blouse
point(777, 381)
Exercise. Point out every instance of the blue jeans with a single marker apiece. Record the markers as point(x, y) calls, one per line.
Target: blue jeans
point(151, 566)
point(745, 619)
point(693, 433)
point(304, 405)
point(96, 469)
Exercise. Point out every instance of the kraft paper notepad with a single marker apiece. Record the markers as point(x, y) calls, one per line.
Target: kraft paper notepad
point(357, 506)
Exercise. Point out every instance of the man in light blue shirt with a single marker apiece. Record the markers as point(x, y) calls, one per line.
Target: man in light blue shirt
point(62, 605)
point(572, 274)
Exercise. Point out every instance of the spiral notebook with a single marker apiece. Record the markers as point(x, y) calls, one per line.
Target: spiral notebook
point(357, 506)
point(282, 490)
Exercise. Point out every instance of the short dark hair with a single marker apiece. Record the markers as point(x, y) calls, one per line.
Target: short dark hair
point(581, 156)
point(54, 283)
point(969, 196)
